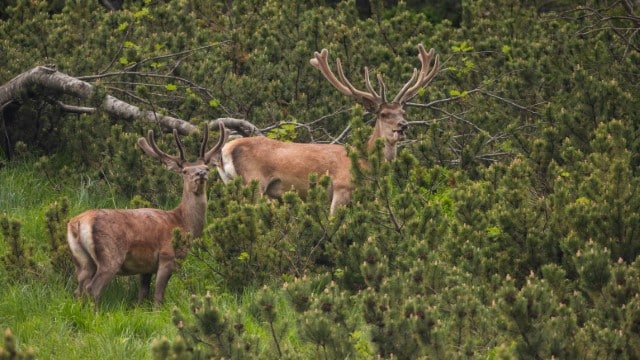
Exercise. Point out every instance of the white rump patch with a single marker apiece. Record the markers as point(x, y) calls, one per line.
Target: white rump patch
point(86, 239)
point(228, 170)
point(77, 249)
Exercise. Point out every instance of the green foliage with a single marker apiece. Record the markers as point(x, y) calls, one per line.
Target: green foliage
point(132, 173)
point(57, 216)
point(214, 334)
point(253, 240)
point(325, 323)
point(10, 352)
point(18, 260)
point(285, 132)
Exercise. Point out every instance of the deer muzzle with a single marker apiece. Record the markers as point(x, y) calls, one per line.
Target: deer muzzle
point(202, 176)
point(398, 133)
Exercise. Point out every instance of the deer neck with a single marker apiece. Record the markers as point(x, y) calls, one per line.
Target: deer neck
point(390, 149)
point(192, 209)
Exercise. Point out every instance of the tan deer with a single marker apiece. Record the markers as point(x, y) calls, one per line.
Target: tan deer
point(108, 242)
point(280, 166)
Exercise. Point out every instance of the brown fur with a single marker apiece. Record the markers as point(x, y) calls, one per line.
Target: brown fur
point(250, 161)
point(109, 242)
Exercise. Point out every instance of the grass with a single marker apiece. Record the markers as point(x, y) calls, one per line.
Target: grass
point(25, 196)
point(48, 319)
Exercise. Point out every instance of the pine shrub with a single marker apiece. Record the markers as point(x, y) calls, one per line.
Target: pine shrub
point(56, 218)
point(18, 260)
point(212, 334)
point(10, 351)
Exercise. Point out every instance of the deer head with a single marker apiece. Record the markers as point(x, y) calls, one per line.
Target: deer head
point(390, 122)
point(194, 174)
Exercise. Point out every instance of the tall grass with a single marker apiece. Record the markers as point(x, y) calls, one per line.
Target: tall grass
point(25, 195)
point(47, 318)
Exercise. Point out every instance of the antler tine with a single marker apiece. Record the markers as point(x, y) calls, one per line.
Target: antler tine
point(205, 140)
point(223, 136)
point(383, 88)
point(426, 74)
point(402, 92)
point(221, 141)
point(355, 92)
point(343, 85)
point(151, 148)
point(367, 83)
point(320, 62)
point(180, 146)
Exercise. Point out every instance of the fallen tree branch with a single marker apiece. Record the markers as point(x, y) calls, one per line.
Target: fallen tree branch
point(46, 80)
point(242, 127)
point(75, 109)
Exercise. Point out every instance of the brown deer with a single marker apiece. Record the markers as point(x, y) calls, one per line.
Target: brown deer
point(280, 166)
point(108, 242)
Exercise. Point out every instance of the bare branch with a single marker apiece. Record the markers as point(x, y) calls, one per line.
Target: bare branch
point(185, 52)
point(52, 83)
point(49, 80)
point(607, 18)
point(75, 109)
point(243, 127)
point(512, 103)
point(439, 101)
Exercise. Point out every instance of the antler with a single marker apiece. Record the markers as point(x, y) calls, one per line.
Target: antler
point(223, 138)
point(371, 98)
point(421, 79)
point(205, 139)
point(152, 149)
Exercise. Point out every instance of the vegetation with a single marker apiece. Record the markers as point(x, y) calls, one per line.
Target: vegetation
point(506, 228)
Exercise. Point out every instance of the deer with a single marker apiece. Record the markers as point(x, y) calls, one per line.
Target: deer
point(109, 242)
point(280, 166)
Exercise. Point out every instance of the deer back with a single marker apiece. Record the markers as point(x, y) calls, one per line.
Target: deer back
point(133, 238)
point(282, 166)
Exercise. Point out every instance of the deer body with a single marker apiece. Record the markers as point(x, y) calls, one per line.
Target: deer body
point(280, 166)
point(109, 242)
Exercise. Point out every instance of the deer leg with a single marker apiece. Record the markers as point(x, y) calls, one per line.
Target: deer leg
point(84, 274)
point(274, 188)
point(101, 278)
point(165, 269)
point(84, 264)
point(143, 289)
point(341, 196)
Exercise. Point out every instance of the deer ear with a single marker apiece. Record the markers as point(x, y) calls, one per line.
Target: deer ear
point(173, 166)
